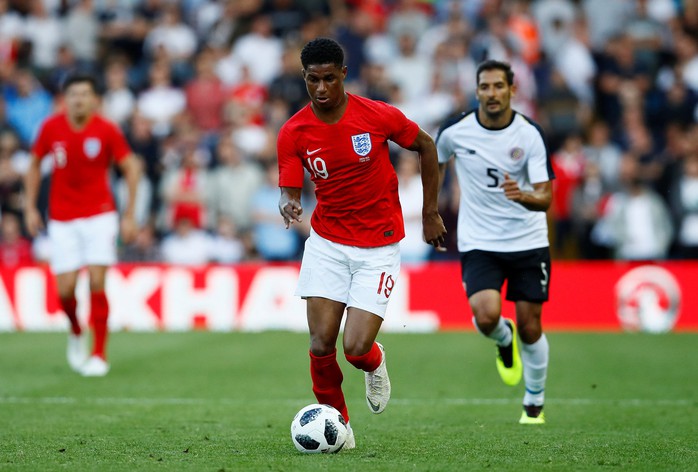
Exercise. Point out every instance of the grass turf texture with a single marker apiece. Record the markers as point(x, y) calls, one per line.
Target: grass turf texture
point(224, 402)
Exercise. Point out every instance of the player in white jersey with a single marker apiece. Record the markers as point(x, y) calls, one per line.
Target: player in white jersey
point(504, 173)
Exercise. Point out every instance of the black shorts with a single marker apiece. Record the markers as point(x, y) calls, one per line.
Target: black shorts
point(527, 273)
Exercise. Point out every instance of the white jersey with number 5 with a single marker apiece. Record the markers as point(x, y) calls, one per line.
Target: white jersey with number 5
point(487, 220)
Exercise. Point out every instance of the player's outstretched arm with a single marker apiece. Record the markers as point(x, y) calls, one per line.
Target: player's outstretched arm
point(433, 225)
point(538, 199)
point(32, 181)
point(290, 205)
point(131, 167)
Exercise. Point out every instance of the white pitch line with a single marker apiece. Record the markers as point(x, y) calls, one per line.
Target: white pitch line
point(624, 402)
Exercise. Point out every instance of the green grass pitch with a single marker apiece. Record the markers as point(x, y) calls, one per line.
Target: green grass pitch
point(224, 402)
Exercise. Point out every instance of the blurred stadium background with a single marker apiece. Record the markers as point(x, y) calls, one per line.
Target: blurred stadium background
point(201, 87)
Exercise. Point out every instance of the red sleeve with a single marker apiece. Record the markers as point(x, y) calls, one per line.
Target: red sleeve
point(41, 145)
point(401, 129)
point(119, 147)
point(290, 165)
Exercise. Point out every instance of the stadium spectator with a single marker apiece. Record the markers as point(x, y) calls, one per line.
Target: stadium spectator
point(649, 36)
point(145, 246)
point(683, 202)
point(555, 19)
point(575, 61)
point(606, 19)
point(144, 195)
point(206, 97)
point(15, 249)
point(161, 102)
point(588, 199)
point(66, 64)
point(412, 247)
point(286, 17)
point(568, 166)
point(84, 27)
point(271, 240)
point(123, 30)
point(260, 51)
point(524, 29)
point(686, 50)
point(352, 34)
point(247, 98)
point(606, 154)
point(26, 104)
point(183, 190)
point(233, 183)
point(45, 33)
point(408, 16)
point(636, 223)
point(13, 163)
point(187, 244)
point(412, 73)
point(172, 41)
point(288, 87)
point(119, 101)
point(246, 122)
point(621, 78)
point(226, 246)
point(225, 28)
point(11, 43)
point(561, 112)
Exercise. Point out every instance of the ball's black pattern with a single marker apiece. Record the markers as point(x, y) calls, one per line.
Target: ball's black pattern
point(307, 442)
point(309, 416)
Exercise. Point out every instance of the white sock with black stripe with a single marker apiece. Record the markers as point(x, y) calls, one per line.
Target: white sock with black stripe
point(534, 358)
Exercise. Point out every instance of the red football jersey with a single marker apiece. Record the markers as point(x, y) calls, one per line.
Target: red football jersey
point(81, 159)
point(355, 183)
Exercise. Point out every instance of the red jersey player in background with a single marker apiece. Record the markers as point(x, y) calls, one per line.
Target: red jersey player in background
point(82, 221)
point(352, 257)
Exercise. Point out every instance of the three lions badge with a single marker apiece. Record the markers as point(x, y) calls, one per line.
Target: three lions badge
point(361, 143)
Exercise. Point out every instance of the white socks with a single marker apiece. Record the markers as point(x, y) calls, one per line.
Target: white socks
point(501, 334)
point(534, 358)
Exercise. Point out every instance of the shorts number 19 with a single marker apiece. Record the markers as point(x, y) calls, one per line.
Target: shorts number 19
point(386, 284)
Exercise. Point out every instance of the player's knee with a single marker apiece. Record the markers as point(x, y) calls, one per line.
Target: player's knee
point(357, 348)
point(530, 332)
point(485, 320)
point(321, 346)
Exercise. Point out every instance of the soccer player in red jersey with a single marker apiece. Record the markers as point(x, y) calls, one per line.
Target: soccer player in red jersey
point(352, 258)
point(82, 220)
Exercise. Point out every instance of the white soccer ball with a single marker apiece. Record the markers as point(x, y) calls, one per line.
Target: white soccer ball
point(318, 428)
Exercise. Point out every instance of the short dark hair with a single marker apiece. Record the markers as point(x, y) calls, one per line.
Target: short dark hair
point(491, 64)
point(80, 77)
point(322, 51)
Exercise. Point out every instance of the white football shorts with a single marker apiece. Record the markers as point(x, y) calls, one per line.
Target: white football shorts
point(83, 242)
point(360, 277)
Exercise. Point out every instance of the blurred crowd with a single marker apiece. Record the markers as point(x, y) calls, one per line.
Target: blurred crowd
point(201, 88)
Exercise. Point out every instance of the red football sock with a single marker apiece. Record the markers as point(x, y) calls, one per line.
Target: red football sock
point(367, 362)
point(70, 306)
point(327, 382)
point(99, 315)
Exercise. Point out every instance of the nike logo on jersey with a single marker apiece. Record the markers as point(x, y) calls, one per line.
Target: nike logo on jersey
point(310, 153)
point(469, 151)
point(373, 406)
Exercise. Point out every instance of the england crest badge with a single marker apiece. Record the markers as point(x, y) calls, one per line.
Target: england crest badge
point(92, 147)
point(361, 143)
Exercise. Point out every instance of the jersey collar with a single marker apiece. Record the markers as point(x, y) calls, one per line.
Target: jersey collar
point(477, 117)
